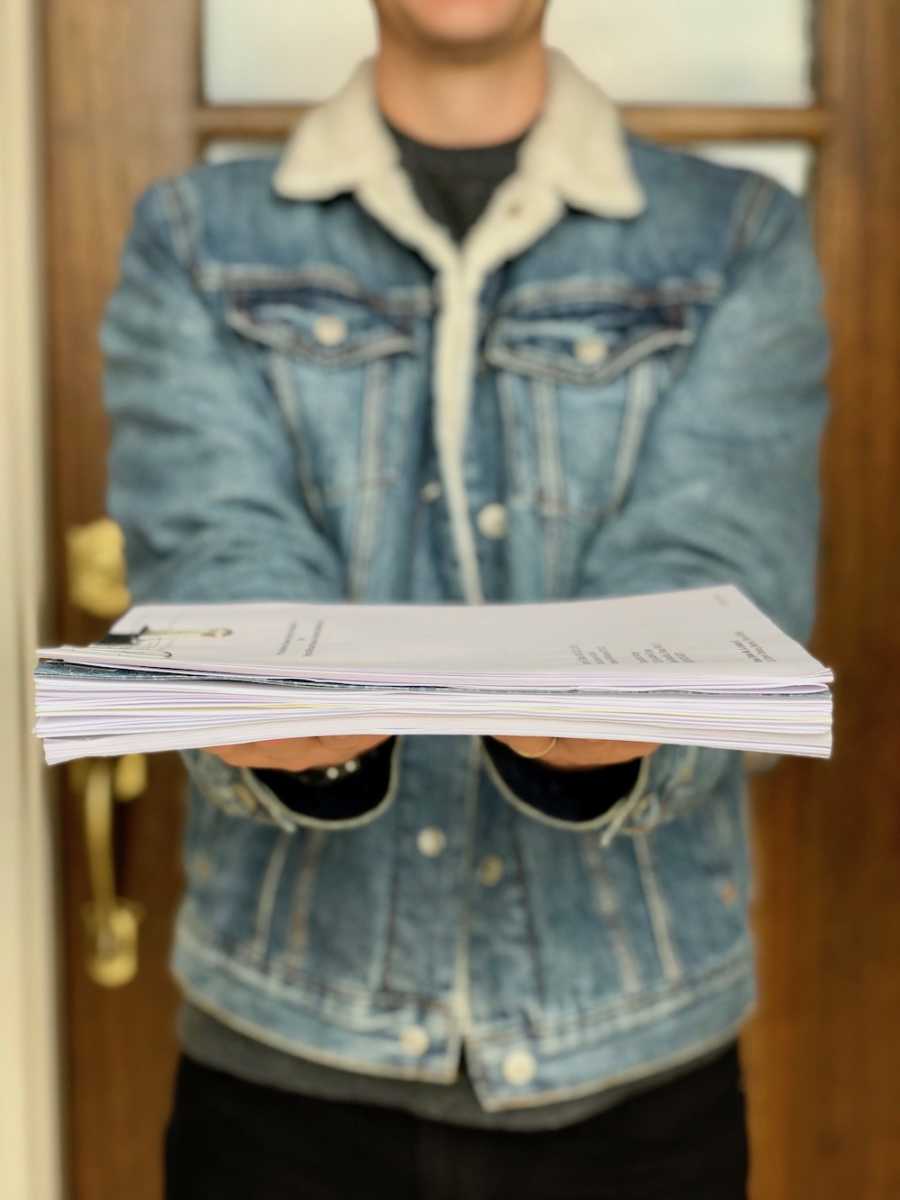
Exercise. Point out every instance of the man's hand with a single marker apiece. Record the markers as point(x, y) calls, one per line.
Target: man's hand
point(297, 754)
point(574, 754)
point(302, 754)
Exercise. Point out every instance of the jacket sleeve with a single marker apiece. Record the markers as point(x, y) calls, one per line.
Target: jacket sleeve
point(725, 488)
point(202, 475)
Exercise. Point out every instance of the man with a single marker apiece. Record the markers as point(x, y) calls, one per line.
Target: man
point(465, 341)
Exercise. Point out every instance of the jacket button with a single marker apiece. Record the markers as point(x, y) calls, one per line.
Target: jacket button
point(414, 1040)
point(430, 491)
point(591, 350)
point(519, 1067)
point(329, 330)
point(431, 841)
point(492, 520)
point(490, 870)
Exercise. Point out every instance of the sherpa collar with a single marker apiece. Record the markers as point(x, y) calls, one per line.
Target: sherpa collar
point(576, 147)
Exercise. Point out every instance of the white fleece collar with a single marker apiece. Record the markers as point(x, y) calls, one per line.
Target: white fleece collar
point(576, 147)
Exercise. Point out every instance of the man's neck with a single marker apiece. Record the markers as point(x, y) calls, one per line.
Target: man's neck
point(461, 104)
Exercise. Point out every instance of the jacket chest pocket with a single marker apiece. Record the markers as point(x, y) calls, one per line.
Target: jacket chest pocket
point(577, 390)
point(343, 368)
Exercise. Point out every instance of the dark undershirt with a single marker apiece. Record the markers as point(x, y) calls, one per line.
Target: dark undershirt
point(455, 185)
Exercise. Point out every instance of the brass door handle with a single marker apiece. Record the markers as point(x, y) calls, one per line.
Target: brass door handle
point(96, 568)
point(110, 921)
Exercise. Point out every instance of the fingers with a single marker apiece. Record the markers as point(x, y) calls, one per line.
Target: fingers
point(574, 753)
point(296, 754)
point(349, 745)
point(584, 753)
point(303, 754)
point(255, 754)
point(528, 747)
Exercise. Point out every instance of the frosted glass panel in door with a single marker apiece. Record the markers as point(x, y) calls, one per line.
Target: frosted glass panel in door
point(683, 51)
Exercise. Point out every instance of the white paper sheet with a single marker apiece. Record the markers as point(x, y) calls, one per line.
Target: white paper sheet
point(702, 666)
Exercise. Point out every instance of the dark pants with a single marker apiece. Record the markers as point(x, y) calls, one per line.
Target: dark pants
point(684, 1140)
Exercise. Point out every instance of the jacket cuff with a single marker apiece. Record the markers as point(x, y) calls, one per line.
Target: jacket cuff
point(581, 799)
point(353, 800)
point(670, 782)
point(278, 798)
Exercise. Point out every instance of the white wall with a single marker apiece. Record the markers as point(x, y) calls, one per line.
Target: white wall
point(30, 1158)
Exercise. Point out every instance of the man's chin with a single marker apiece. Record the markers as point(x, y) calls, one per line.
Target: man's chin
point(464, 49)
point(468, 34)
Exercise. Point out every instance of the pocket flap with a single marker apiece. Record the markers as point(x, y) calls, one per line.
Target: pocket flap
point(585, 347)
point(327, 328)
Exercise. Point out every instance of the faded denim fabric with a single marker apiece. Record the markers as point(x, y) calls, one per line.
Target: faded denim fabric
point(646, 406)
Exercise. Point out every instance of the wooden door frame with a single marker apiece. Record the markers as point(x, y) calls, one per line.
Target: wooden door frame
point(30, 1142)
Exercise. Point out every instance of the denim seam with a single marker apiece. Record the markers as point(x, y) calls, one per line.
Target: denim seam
point(403, 814)
point(530, 928)
point(268, 894)
point(750, 211)
point(550, 474)
point(184, 222)
point(657, 909)
point(237, 281)
point(461, 994)
point(368, 506)
point(609, 909)
point(282, 386)
point(640, 401)
point(518, 492)
point(304, 884)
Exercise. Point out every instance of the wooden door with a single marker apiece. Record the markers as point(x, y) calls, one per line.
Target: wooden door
point(123, 107)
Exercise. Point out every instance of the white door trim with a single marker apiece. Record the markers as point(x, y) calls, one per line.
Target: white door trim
point(30, 1125)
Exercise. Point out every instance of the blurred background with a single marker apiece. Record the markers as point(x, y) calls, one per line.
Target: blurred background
point(97, 98)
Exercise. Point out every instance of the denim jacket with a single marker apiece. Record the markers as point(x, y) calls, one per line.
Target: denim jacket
point(613, 386)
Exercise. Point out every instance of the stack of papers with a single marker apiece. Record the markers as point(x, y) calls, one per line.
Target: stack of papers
point(698, 667)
